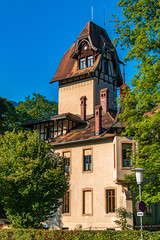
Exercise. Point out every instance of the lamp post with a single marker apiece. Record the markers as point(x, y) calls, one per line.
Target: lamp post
point(139, 179)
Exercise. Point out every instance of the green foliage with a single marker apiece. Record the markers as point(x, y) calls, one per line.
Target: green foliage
point(139, 32)
point(36, 107)
point(22, 234)
point(121, 215)
point(32, 179)
point(8, 116)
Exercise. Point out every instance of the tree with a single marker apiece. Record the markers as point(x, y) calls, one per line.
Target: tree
point(8, 116)
point(139, 32)
point(36, 107)
point(121, 215)
point(32, 179)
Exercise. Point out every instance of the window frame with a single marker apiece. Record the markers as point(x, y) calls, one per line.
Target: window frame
point(106, 200)
point(83, 62)
point(83, 160)
point(87, 190)
point(89, 61)
point(69, 204)
point(63, 152)
point(121, 150)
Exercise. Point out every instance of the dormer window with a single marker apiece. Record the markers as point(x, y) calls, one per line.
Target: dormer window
point(86, 62)
point(82, 63)
point(90, 61)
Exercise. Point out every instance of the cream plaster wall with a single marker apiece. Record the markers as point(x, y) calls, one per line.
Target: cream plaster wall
point(121, 171)
point(102, 177)
point(69, 97)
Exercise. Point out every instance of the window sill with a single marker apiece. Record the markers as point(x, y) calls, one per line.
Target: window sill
point(126, 168)
point(84, 68)
point(110, 213)
point(85, 215)
point(90, 171)
point(66, 214)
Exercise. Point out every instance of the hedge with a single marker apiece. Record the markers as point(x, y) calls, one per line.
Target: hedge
point(23, 234)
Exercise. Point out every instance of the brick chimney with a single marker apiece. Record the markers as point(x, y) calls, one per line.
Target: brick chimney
point(83, 107)
point(98, 119)
point(104, 99)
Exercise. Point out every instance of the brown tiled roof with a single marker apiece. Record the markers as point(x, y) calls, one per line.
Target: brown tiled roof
point(68, 67)
point(87, 132)
point(68, 116)
point(98, 38)
point(98, 35)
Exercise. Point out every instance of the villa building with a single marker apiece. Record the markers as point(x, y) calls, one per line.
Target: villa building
point(86, 133)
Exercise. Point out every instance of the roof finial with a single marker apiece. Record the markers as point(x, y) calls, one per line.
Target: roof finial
point(104, 15)
point(92, 12)
point(121, 90)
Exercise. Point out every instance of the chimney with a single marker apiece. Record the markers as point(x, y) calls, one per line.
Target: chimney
point(98, 120)
point(104, 99)
point(83, 107)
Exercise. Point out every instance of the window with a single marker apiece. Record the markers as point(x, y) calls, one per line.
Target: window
point(66, 203)
point(87, 202)
point(82, 63)
point(90, 61)
point(87, 160)
point(126, 154)
point(110, 200)
point(66, 158)
point(48, 133)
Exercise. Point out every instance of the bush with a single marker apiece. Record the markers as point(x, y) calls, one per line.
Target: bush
point(32, 234)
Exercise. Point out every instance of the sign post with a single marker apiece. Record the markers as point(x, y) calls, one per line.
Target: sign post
point(139, 178)
point(139, 214)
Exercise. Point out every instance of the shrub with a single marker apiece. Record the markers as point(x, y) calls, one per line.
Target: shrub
point(32, 234)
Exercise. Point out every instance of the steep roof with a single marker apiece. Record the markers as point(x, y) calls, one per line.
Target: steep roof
point(98, 38)
point(68, 67)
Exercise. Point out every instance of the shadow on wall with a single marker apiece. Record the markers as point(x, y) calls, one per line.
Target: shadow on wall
point(55, 222)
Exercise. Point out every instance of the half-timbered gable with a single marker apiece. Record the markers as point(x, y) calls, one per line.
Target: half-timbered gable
point(50, 128)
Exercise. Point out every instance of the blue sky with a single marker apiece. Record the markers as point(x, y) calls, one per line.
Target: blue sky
point(35, 34)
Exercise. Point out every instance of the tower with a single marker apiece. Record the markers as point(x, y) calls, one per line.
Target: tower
point(91, 64)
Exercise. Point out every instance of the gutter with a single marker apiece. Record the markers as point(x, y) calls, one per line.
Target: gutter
point(83, 140)
point(51, 120)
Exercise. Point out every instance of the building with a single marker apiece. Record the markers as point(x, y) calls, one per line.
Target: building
point(86, 133)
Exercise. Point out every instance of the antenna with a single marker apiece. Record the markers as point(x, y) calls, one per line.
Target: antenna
point(104, 15)
point(92, 12)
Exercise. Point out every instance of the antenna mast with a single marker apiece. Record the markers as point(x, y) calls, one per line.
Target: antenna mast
point(92, 12)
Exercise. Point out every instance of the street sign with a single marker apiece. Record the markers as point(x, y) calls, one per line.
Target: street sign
point(142, 206)
point(140, 214)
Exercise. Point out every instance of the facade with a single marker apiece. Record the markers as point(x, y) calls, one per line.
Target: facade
point(86, 133)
